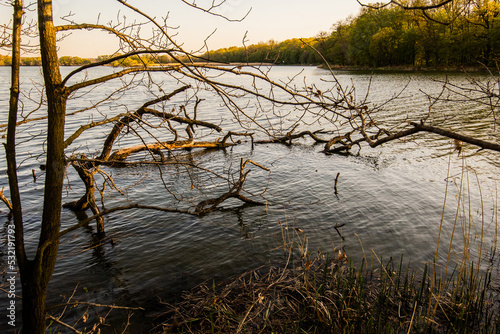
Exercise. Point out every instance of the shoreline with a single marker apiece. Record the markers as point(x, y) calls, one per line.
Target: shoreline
point(387, 69)
point(350, 68)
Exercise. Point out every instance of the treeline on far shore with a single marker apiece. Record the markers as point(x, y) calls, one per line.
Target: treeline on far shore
point(387, 37)
point(391, 36)
point(78, 61)
point(37, 61)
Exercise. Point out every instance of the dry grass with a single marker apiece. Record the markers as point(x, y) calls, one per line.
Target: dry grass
point(326, 295)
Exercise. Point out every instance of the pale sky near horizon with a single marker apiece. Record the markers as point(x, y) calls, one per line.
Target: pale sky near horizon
point(268, 19)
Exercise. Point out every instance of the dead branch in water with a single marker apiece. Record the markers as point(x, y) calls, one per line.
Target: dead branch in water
point(234, 192)
point(5, 200)
point(416, 127)
point(289, 137)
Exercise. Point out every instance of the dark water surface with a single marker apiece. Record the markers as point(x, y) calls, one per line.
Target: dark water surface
point(390, 199)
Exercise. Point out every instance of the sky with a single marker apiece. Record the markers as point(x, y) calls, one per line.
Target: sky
point(268, 19)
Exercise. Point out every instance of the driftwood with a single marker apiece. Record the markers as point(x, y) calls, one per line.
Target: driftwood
point(169, 145)
point(416, 127)
point(234, 192)
point(201, 208)
point(87, 201)
point(177, 144)
point(6, 201)
point(287, 139)
point(86, 168)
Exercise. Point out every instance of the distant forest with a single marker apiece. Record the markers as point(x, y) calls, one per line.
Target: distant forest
point(77, 61)
point(390, 36)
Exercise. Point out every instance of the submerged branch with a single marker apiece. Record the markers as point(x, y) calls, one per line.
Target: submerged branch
point(119, 208)
point(417, 127)
point(287, 139)
point(5, 200)
point(454, 135)
point(201, 208)
point(168, 145)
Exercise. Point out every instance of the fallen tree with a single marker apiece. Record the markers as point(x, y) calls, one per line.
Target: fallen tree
point(160, 127)
point(87, 168)
point(345, 143)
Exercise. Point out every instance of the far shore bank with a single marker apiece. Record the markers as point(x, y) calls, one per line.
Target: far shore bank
point(387, 69)
point(466, 69)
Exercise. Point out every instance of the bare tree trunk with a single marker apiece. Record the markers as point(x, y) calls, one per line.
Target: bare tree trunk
point(33, 314)
point(33, 301)
point(10, 146)
point(36, 274)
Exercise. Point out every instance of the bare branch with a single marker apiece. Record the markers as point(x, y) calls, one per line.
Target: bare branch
point(108, 143)
point(112, 59)
point(5, 200)
point(82, 128)
point(117, 75)
point(153, 21)
point(487, 145)
point(120, 35)
point(214, 6)
point(404, 6)
point(179, 119)
point(375, 141)
point(63, 324)
point(287, 139)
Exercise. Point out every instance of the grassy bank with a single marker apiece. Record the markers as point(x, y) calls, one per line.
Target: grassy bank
point(327, 295)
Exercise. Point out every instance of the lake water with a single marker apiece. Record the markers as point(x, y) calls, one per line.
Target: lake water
point(390, 199)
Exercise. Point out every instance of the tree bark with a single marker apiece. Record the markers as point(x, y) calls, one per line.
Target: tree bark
point(36, 274)
point(10, 147)
point(33, 294)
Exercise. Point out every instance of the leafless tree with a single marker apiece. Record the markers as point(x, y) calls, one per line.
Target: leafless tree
point(162, 127)
point(426, 8)
point(410, 5)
